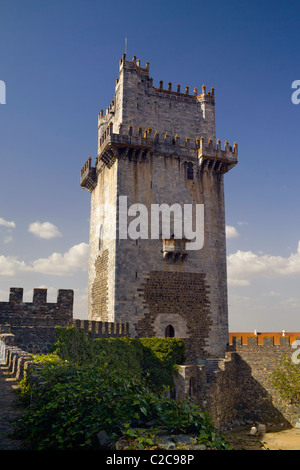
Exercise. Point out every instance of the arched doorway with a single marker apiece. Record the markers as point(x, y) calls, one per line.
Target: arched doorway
point(169, 332)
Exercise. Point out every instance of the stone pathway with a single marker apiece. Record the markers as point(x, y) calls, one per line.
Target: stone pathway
point(8, 412)
point(286, 439)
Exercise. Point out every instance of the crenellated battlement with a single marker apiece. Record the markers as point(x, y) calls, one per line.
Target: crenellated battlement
point(99, 329)
point(17, 310)
point(166, 109)
point(135, 66)
point(260, 340)
point(32, 325)
point(208, 96)
point(139, 142)
point(267, 341)
point(64, 296)
point(167, 143)
point(214, 157)
point(88, 176)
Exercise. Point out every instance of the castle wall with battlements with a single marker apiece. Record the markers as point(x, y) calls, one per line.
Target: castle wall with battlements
point(238, 390)
point(33, 325)
point(258, 356)
point(234, 390)
point(20, 312)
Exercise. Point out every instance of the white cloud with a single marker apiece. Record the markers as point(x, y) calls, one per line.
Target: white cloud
point(51, 293)
point(8, 239)
point(44, 230)
point(272, 293)
point(9, 265)
point(238, 282)
point(231, 232)
point(6, 223)
point(290, 303)
point(57, 264)
point(64, 264)
point(243, 266)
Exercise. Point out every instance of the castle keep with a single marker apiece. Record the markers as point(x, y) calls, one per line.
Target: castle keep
point(157, 146)
point(157, 149)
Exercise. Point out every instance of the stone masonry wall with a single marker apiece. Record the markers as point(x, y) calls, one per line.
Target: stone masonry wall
point(237, 390)
point(258, 361)
point(100, 287)
point(33, 325)
point(177, 110)
point(149, 287)
point(183, 299)
point(62, 310)
point(102, 241)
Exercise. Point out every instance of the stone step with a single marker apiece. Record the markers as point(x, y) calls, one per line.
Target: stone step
point(212, 366)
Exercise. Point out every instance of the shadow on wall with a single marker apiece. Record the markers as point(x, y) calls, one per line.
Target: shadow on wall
point(229, 392)
point(236, 396)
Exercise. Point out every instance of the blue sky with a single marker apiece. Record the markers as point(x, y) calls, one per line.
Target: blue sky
point(59, 61)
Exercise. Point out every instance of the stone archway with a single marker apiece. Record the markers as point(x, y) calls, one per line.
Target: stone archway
point(169, 332)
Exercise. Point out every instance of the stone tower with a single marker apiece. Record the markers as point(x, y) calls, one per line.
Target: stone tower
point(157, 146)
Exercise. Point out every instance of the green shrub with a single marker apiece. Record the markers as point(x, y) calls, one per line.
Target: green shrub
point(70, 404)
point(286, 379)
point(154, 359)
point(71, 344)
point(85, 386)
point(161, 358)
point(117, 353)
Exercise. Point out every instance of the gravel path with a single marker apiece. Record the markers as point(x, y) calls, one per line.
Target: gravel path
point(240, 438)
point(8, 412)
point(283, 440)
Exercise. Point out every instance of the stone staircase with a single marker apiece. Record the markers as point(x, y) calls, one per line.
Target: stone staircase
point(212, 366)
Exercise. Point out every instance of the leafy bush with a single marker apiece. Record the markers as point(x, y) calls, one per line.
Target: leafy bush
point(85, 386)
point(71, 344)
point(70, 404)
point(160, 358)
point(286, 379)
point(154, 359)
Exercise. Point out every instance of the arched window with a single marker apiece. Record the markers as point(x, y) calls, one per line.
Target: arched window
point(190, 171)
point(169, 332)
